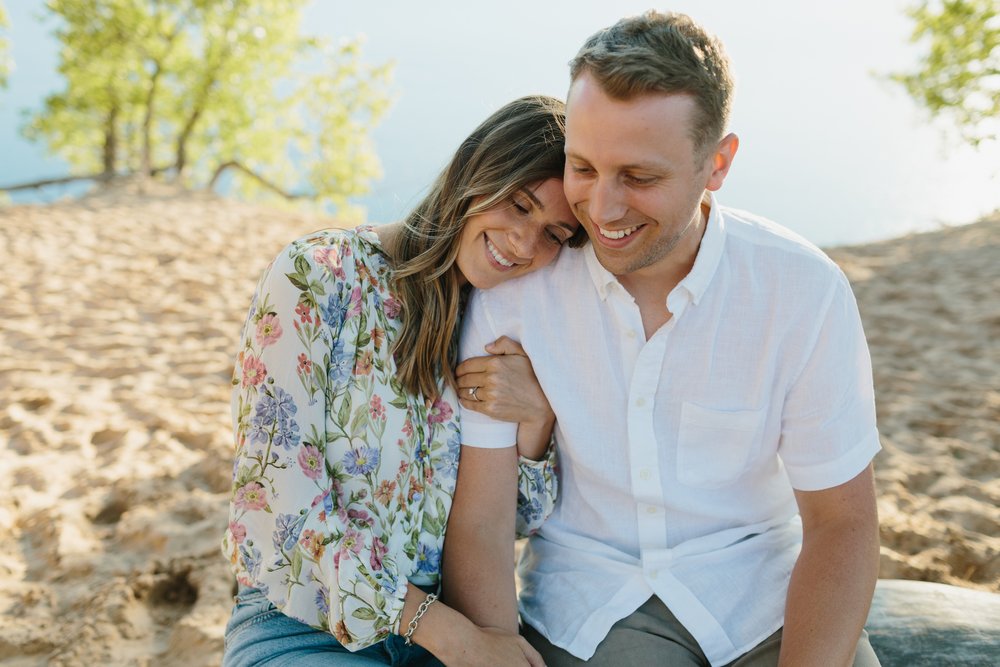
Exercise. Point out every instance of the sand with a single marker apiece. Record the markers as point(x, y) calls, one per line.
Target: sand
point(118, 319)
point(930, 304)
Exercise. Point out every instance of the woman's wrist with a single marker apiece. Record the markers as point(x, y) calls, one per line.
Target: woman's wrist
point(533, 437)
point(443, 631)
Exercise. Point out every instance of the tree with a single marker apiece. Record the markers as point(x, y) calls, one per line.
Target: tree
point(188, 89)
point(6, 64)
point(959, 72)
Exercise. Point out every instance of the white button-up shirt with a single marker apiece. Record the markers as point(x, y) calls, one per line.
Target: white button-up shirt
point(678, 454)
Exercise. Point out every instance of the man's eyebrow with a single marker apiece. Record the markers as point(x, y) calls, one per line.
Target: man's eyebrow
point(646, 166)
point(642, 166)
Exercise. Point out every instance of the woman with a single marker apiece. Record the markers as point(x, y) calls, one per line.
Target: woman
point(345, 413)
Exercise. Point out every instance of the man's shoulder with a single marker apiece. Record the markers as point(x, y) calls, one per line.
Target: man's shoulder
point(763, 243)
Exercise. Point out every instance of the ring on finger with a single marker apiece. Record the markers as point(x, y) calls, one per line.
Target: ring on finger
point(472, 393)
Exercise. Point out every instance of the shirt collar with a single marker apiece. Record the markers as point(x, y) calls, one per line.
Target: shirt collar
point(696, 281)
point(603, 279)
point(709, 253)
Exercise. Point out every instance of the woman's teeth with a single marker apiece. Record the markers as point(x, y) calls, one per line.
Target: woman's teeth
point(501, 260)
point(620, 234)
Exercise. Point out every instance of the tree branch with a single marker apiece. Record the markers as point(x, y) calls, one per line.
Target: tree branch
point(101, 176)
point(273, 187)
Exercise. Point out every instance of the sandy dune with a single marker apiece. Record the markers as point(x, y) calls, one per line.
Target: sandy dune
point(931, 309)
point(118, 318)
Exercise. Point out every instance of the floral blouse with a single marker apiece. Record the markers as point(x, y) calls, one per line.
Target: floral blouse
point(342, 481)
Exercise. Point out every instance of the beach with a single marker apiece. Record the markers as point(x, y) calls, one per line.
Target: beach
point(119, 318)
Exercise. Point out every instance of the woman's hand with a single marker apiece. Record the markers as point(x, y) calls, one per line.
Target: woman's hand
point(458, 642)
point(488, 647)
point(505, 385)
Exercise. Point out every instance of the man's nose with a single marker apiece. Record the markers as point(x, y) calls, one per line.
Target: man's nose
point(606, 202)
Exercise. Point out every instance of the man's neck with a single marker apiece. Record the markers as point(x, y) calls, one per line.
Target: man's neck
point(655, 282)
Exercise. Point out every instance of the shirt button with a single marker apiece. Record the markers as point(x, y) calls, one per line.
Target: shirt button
point(652, 574)
point(630, 334)
point(640, 402)
point(651, 509)
point(644, 473)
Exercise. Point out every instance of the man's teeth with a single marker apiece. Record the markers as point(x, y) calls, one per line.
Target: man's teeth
point(501, 260)
point(620, 234)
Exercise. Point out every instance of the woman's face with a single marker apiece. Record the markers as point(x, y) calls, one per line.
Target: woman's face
point(517, 236)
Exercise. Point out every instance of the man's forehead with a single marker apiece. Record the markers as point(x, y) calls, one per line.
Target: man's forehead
point(647, 125)
point(586, 85)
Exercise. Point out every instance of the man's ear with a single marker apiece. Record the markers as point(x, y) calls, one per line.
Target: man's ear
point(722, 160)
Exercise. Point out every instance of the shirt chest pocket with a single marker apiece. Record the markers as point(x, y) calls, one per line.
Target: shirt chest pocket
point(714, 446)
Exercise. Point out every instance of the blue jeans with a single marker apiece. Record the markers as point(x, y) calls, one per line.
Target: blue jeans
point(259, 635)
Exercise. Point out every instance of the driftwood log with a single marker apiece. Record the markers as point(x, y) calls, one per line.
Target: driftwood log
point(923, 624)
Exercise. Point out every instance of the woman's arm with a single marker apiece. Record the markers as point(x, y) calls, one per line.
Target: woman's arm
point(537, 490)
point(290, 531)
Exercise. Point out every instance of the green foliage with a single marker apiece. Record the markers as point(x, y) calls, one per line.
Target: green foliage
point(6, 64)
point(191, 87)
point(959, 72)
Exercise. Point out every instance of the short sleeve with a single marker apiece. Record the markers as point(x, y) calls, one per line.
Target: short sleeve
point(828, 429)
point(478, 430)
point(537, 484)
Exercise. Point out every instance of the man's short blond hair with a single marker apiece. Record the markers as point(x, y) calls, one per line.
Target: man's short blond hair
point(663, 53)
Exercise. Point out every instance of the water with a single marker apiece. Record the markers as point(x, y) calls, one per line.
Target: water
point(827, 148)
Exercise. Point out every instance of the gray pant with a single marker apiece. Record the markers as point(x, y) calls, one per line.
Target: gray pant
point(653, 636)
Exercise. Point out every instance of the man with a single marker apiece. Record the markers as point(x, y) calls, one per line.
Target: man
point(712, 388)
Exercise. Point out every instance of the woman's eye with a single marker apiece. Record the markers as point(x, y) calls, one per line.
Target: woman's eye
point(554, 238)
point(521, 208)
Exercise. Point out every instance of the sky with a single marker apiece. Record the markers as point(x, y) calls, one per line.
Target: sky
point(828, 148)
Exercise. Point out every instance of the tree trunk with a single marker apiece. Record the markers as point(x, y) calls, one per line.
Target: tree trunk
point(204, 91)
point(111, 142)
point(185, 134)
point(146, 168)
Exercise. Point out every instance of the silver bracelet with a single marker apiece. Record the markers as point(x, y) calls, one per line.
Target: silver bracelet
point(421, 610)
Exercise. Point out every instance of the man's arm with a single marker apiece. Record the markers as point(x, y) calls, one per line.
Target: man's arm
point(478, 567)
point(834, 578)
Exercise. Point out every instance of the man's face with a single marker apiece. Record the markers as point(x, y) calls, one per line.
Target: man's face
point(633, 178)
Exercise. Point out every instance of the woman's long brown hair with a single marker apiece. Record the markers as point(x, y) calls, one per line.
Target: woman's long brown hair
point(521, 144)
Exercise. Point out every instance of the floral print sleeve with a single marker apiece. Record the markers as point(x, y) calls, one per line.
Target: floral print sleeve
point(537, 489)
point(342, 482)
